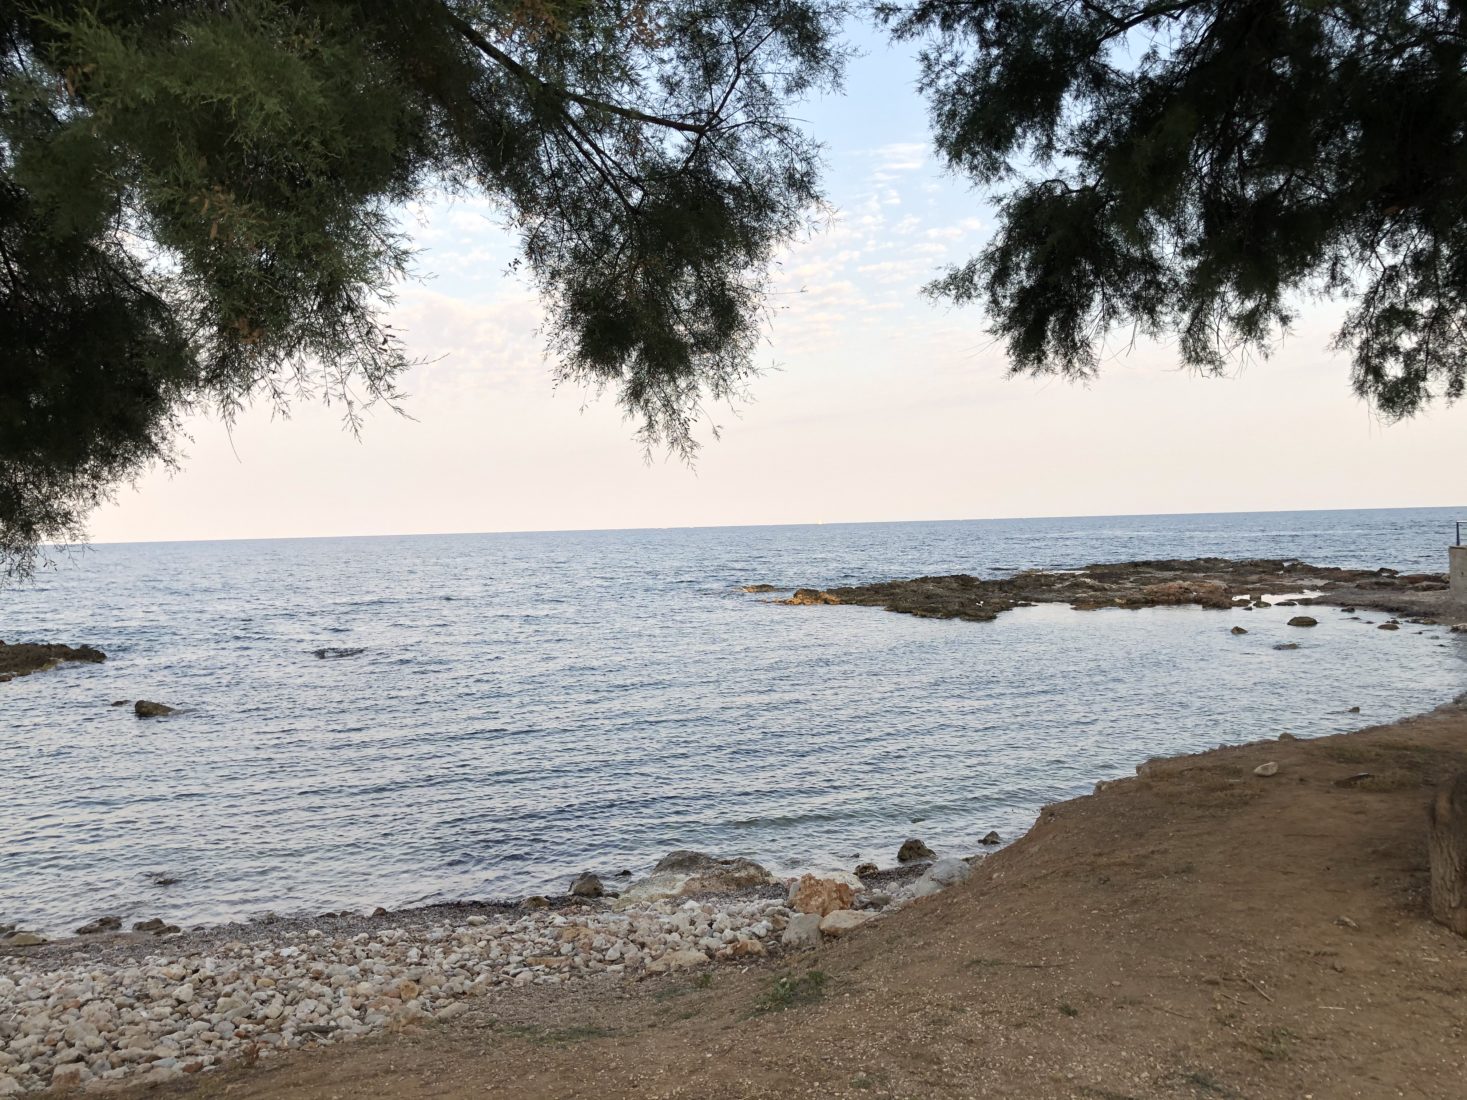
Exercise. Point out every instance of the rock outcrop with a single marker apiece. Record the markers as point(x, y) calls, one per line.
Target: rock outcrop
point(686, 873)
point(24, 658)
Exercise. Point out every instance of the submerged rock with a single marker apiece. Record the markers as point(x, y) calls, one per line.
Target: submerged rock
point(764, 588)
point(327, 653)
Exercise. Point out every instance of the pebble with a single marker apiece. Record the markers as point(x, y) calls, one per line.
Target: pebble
point(169, 1010)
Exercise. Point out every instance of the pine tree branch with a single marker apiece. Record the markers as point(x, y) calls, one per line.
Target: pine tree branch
point(509, 64)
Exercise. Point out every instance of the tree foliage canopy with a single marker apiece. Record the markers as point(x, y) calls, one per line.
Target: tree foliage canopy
point(197, 204)
point(1191, 167)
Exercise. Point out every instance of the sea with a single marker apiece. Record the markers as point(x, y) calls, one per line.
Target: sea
point(495, 713)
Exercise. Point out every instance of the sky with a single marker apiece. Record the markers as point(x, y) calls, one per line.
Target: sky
point(875, 404)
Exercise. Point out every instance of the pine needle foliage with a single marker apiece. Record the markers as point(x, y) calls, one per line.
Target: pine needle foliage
point(1191, 169)
point(198, 197)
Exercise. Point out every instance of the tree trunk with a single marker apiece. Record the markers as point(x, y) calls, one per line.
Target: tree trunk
point(1447, 841)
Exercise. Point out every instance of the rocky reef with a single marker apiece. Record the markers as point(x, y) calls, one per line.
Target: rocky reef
point(1219, 583)
point(23, 658)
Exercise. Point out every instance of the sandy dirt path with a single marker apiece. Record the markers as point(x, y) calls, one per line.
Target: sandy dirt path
point(1195, 932)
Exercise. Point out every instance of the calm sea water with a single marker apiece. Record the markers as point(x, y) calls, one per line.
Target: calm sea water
point(530, 705)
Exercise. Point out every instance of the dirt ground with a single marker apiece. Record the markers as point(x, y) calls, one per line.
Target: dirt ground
point(1195, 932)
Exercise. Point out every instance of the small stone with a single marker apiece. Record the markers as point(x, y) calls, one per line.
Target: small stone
point(1266, 770)
point(1238, 630)
point(477, 922)
point(101, 924)
point(913, 850)
point(535, 901)
point(839, 923)
point(143, 708)
point(1389, 626)
point(683, 959)
point(1303, 620)
point(1287, 736)
point(864, 870)
point(1346, 922)
point(587, 885)
point(1353, 710)
point(991, 838)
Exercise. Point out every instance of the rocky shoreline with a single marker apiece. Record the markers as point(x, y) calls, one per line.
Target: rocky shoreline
point(156, 1004)
point(1214, 583)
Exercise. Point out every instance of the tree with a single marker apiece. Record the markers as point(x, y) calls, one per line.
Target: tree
point(1192, 167)
point(197, 205)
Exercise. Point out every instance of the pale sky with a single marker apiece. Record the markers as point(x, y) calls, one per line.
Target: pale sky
point(877, 405)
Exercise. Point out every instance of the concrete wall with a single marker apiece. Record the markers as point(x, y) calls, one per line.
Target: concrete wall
point(1457, 572)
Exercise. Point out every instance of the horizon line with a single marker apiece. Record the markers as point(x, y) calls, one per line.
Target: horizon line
point(737, 526)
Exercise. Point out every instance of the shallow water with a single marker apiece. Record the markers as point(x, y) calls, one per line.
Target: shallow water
point(526, 706)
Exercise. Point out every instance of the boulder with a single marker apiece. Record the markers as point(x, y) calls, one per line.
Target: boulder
point(991, 838)
point(844, 920)
point(143, 708)
point(1389, 626)
point(1303, 620)
point(24, 939)
point(913, 850)
point(802, 932)
point(1238, 630)
point(941, 875)
point(586, 885)
point(820, 895)
point(949, 872)
point(101, 924)
point(865, 869)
